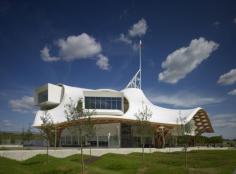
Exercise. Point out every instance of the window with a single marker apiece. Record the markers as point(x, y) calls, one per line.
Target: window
point(103, 103)
point(74, 140)
point(92, 102)
point(68, 139)
point(118, 103)
point(87, 102)
point(108, 103)
point(42, 96)
point(63, 140)
point(98, 102)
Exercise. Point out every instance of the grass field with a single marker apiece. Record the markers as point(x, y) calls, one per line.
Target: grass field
point(199, 162)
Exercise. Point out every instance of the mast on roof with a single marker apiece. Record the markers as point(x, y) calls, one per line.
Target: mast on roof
point(140, 62)
point(136, 81)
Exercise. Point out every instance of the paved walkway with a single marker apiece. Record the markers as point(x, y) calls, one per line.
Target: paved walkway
point(20, 155)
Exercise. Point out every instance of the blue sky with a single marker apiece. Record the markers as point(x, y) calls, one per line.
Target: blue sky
point(188, 53)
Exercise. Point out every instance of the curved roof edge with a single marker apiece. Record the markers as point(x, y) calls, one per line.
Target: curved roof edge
point(137, 100)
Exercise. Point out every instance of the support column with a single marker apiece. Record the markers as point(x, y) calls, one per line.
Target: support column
point(160, 137)
point(97, 142)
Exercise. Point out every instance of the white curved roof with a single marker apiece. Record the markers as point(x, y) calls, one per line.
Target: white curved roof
point(136, 100)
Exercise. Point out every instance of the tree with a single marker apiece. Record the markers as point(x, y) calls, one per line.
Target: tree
point(185, 130)
point(143, 125)
point(23, 137)
point(46, 128)
point(201, 140)
point(29, 134)
point(215, 140)
point(90, 130)
point(82, 117)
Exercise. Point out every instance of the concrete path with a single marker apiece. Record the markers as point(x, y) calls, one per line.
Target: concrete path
point(20, 155)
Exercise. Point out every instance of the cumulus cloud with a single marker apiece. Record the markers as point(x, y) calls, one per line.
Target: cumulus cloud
point(82, 46)
point(224, 120)
point(228, 78)
point(6, 123)
point(233, 92)
point(184, 60)
point(23, 105)
point(103, 62)
point(216, 23)
point(45, 55)
point(78, 47)
point(138, 29)
point(183, 99)
point(124, 39)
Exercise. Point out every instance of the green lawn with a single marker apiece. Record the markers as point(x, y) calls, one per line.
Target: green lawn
point(199, 162)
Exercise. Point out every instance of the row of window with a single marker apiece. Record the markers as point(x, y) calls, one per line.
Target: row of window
point(94, 141)
point(103, 103)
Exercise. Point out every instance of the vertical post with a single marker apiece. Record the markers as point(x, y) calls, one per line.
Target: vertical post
point(140, 62)
point(55, 137)
point(97, 142)
point(47, 150)
point(118, 135)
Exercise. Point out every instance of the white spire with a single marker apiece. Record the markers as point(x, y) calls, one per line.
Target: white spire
point(140, 62)
point(135, 82)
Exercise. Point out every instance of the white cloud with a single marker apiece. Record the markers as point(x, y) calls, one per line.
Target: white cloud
point(23, 105)
point(183, 99)
point(103, 62)
point(135, 46)
point(78, 47)
point(216, 24)
point(184, 60)
point(138, 29)
point(72, 48)
point(6, 123)
point(45, 55)
point(233, 92)
point(228, 78)
point(224, 120)
point(124, 39)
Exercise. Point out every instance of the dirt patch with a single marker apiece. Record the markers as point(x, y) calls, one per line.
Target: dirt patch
point(141, 170)
point(202, 170)
point(91, 160)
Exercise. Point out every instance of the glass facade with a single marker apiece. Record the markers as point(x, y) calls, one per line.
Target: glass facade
point(109, 135)
point(103, 103)
point(43, 96)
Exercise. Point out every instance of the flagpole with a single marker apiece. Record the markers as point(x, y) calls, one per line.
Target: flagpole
point(140, 62)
